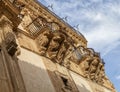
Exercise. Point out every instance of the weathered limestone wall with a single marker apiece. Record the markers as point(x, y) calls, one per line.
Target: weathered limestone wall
point(34, 73)
point(84, 85)
point(4, 85)
point(57, 71)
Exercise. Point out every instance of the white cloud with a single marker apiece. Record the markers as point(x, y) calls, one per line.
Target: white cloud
point(118, 77)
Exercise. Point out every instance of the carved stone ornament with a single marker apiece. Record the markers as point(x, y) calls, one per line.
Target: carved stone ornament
point(68, 56)
point(43, 41)
point(55, 44)
point(62, 51)
point(93, 68)
point(86, 67)
point(55, 26)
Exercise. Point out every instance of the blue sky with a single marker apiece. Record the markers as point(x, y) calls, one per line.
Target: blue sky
point(99, 22)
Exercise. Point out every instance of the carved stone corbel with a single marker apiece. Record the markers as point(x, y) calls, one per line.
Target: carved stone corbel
point(86, 66)
point(101, 76)
point(54, 46)
point(62, 51)
point(93, 68)
point(67, 56)
point(43, 41)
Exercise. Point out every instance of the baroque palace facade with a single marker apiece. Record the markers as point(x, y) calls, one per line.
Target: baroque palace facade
point(39, 52)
